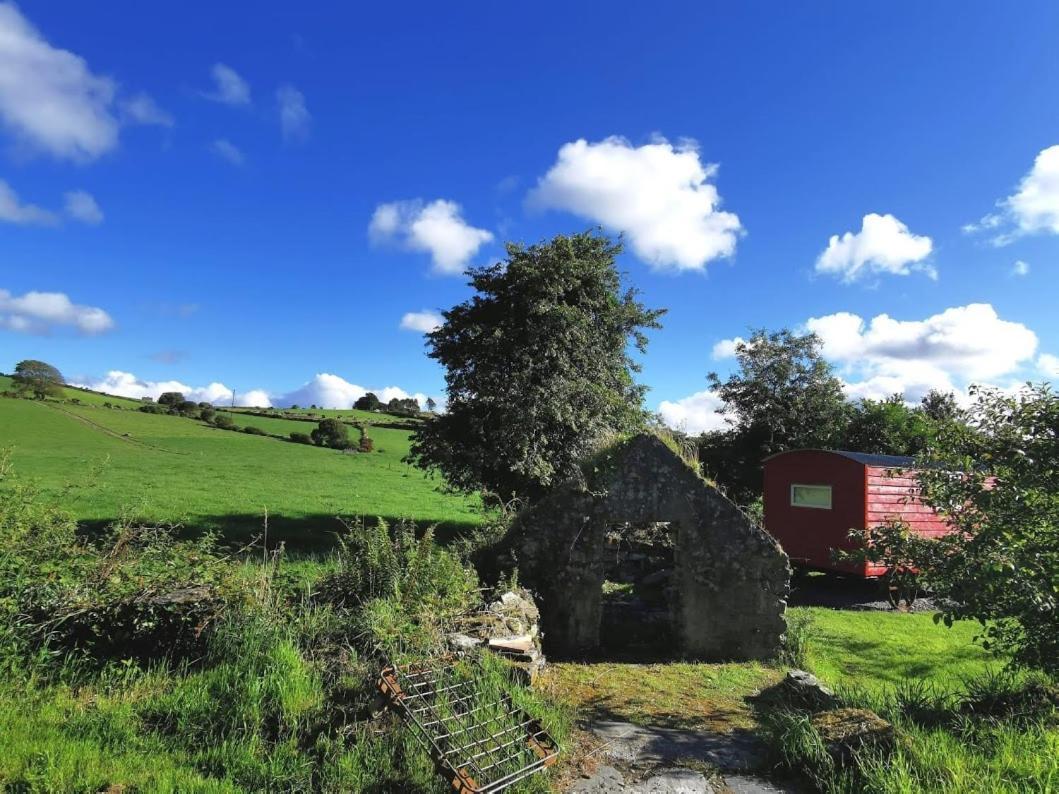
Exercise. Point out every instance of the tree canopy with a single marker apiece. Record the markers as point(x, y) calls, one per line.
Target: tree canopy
point(783, 395)
point(368, 402)
point(538, 367)
point(38, 377)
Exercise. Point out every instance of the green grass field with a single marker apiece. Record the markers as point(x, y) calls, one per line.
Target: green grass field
point(171, 469)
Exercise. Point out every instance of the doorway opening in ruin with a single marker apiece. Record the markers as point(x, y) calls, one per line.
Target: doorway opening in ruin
point(639, 598)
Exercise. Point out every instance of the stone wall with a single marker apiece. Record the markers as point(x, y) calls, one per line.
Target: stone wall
point(730, 578)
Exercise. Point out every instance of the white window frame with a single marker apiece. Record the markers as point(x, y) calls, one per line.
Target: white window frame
point(830, 498)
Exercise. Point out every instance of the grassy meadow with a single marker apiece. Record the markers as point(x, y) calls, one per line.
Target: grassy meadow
point(281, 696)
point(169, 469)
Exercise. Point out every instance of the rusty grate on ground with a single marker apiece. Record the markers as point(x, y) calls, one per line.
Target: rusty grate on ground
point(480, 740)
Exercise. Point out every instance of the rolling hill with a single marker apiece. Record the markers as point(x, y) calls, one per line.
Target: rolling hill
point(169, 469)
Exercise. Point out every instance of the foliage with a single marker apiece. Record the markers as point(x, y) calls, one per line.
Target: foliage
point(423, 586)
point(172, 398)
point(369, 402)
point(331, 433)
point(783, 396)
point(901, 551)
point(38, 377)
point(223, 421)
point(538, 367)
point(403, 406)
point(996, 735)
point(431, 404)
point(996, 481)
point(887, 427)
point(254, 431)
point(797, 640)
point(301, 438)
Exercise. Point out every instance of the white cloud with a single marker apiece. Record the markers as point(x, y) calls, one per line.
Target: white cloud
point(658, 194)
point(141, 109)
point(1032, 208)
point(726, 347)
point(125, 384)
point(294, 117)
point(1035, 205)
point(43, 312)
point(228, 151)
point(12, 210)
point(437, 228)
point(947, 351)
point(229, 87)
point(1020, 268)
point(424, 322)
point(255, 398)
point(332, 391)
point(81, 206)
point(695, 414)
point(883, 245)
point(324, 390)
point(49, 99)
point(1048, 365)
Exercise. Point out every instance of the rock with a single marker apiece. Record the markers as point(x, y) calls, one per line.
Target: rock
point(605, 780)
point(801, 690)
point(845, 731)
point(675, 781)
point(461, 642)
point(522, 644)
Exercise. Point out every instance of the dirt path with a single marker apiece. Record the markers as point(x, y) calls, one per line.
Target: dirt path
point(120, 436)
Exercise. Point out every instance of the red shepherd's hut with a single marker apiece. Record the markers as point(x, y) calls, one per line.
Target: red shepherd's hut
point(814, 497)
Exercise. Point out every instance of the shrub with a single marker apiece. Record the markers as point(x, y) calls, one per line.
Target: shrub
point(170, 398)
point(224, 421)
point(187, 408)
point(301, 438)
point(422, 585)
point(153, 408)
point(254, 431)
point(207, 413)
point(331, 433)
point(365, 444)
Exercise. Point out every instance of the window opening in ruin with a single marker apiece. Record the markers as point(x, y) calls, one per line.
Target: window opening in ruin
point(636, 620)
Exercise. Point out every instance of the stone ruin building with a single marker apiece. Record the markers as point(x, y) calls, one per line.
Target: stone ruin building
point(710, 584)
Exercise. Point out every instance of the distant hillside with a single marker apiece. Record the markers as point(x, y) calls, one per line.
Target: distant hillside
point(173, 469)
point(84, 395)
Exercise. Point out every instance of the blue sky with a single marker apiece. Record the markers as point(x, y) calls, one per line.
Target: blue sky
point(201, 194)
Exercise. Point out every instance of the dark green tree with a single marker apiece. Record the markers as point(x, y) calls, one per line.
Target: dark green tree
point(783, 396)
point(887, 427)
point(403, 406)
point(939, 406)
point(369, 402)
point(41, 379)
point(431, 404)
point(538, 367)
point(331, 433)
point(171, 398)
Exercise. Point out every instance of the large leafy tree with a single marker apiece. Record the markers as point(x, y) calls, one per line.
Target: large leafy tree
point(995, 478)
point(783, 395)
point(38, 377)
point(538, 367)
point(888, 427)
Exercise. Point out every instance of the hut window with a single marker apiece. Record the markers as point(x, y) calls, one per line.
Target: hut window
point(818, 496)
